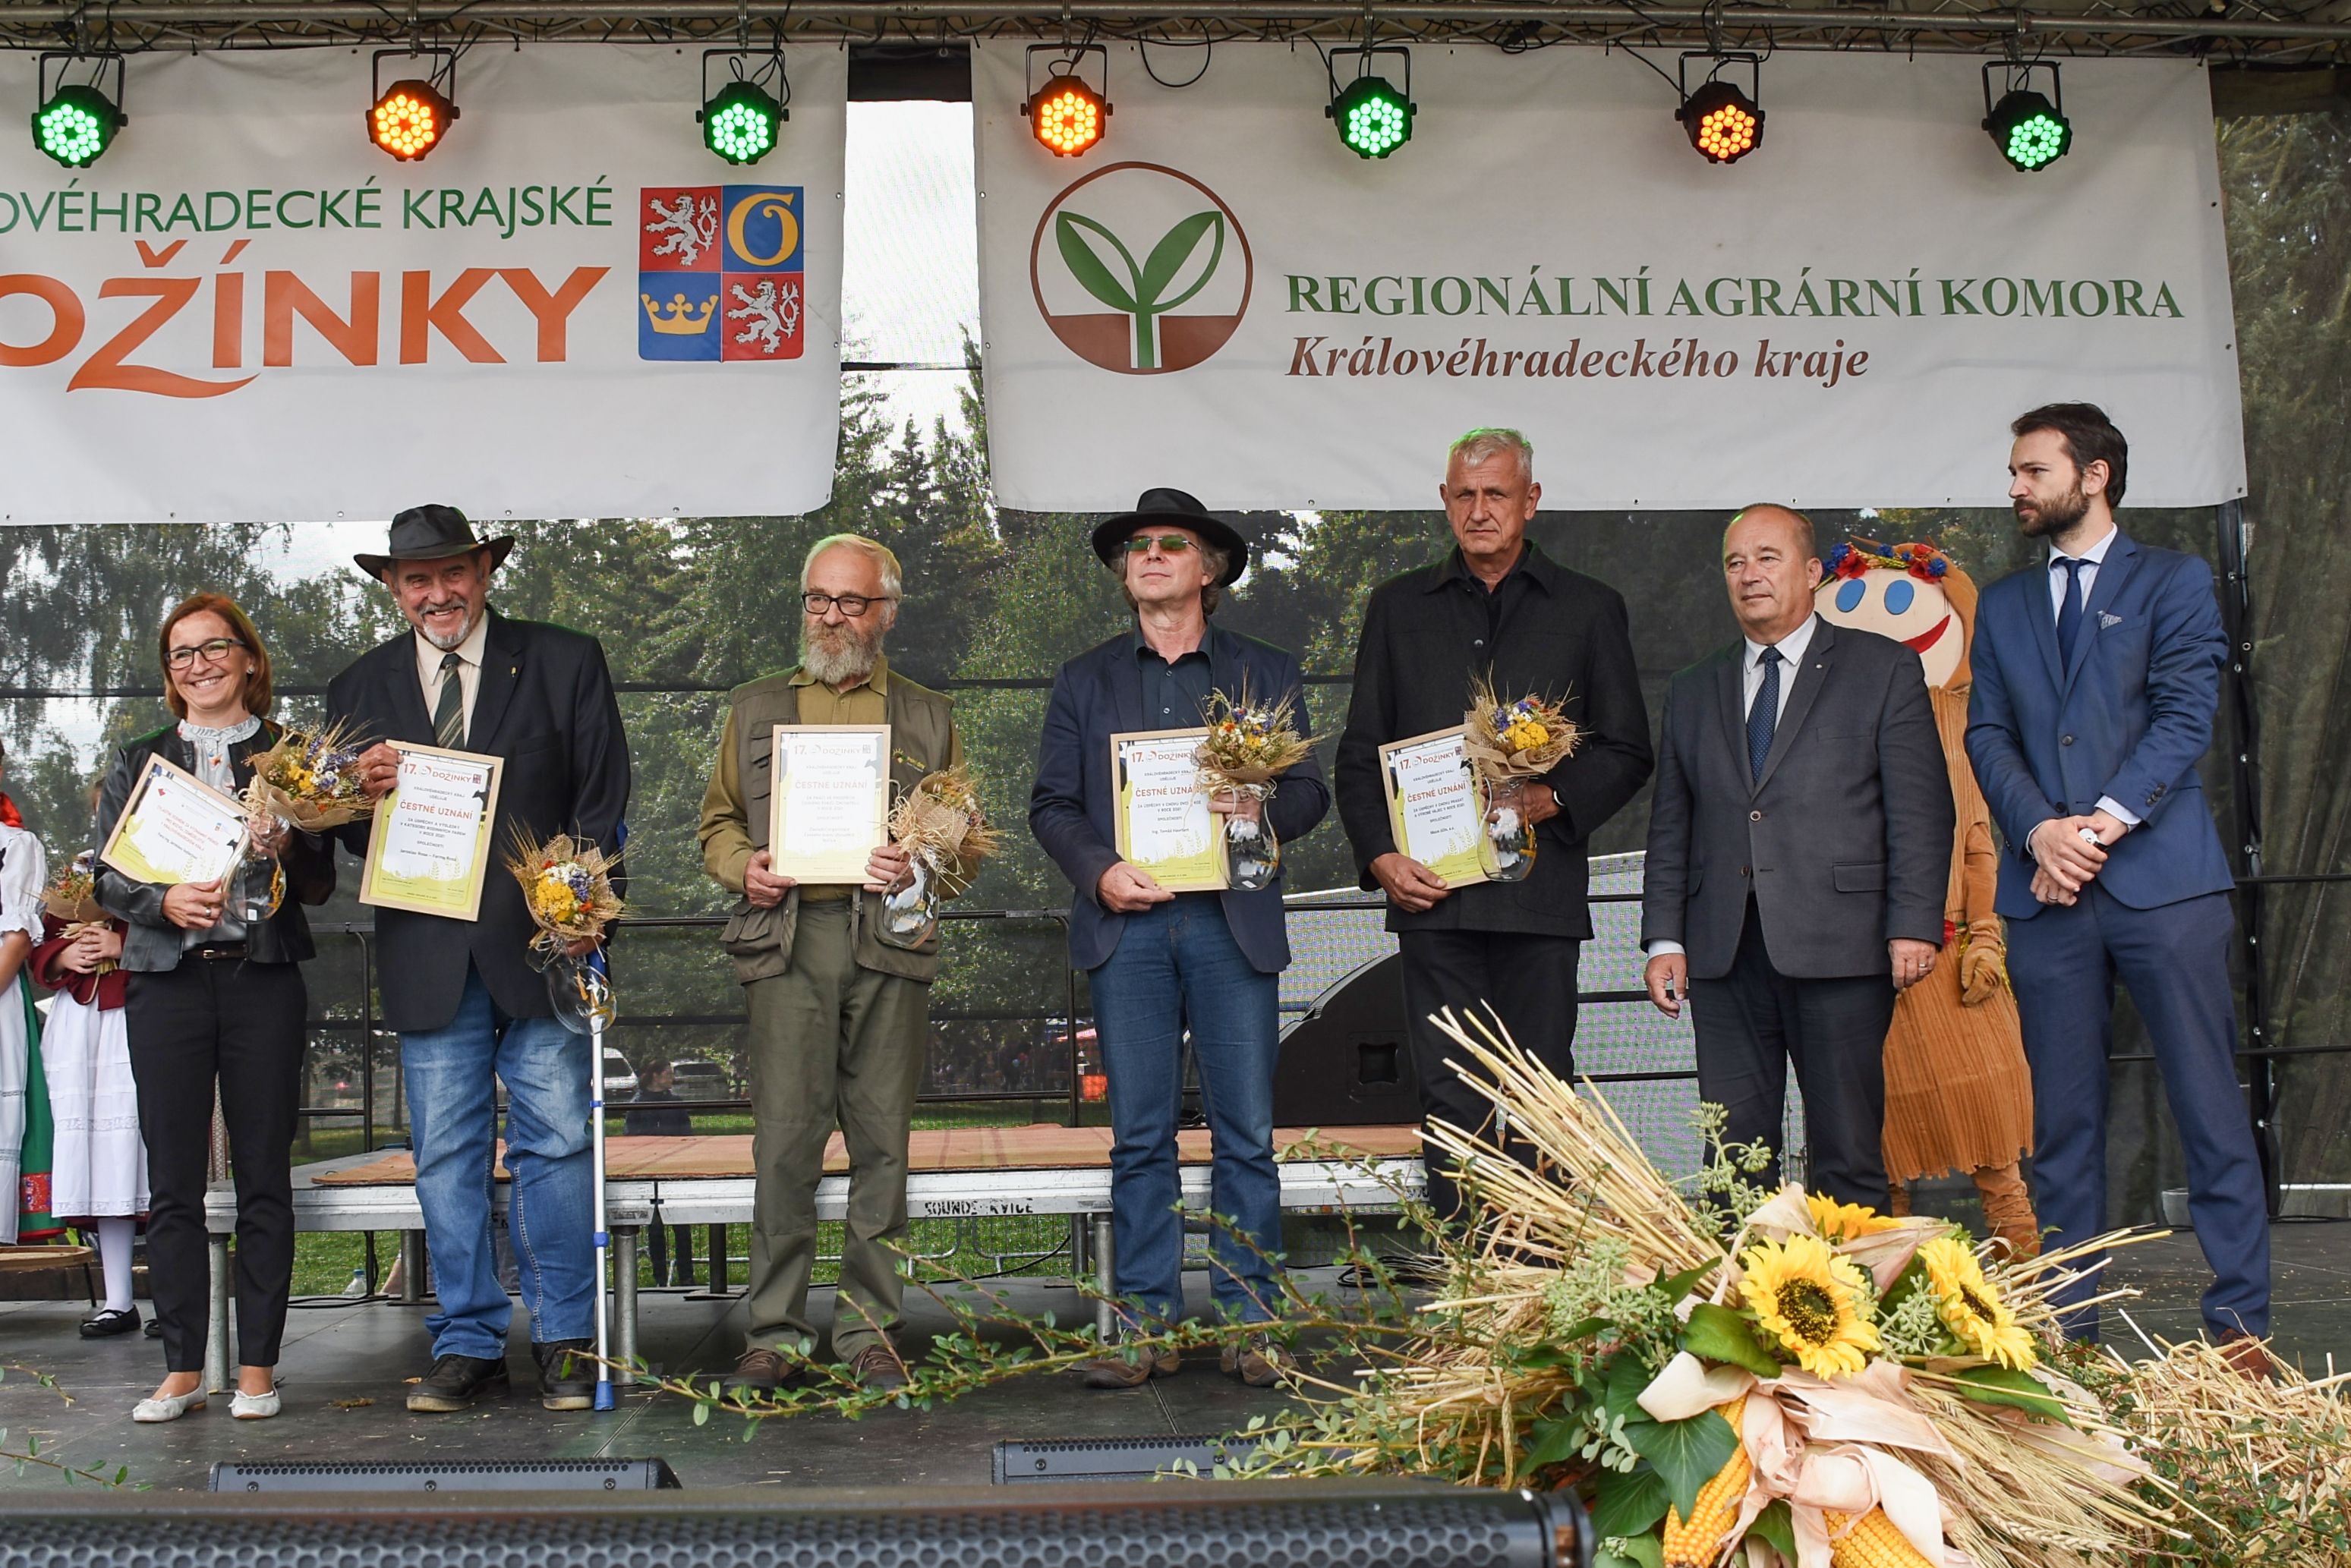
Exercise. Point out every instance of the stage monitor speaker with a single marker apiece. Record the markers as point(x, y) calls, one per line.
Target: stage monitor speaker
point(1114, 1458)
point(1142, 1524)
point(1345, 1061)
point(446, 1476)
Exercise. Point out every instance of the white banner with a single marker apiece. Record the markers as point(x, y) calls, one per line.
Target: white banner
point(245, 311)
point(1849, 316)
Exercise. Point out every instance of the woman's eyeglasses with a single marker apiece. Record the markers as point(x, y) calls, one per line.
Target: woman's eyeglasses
point(1169, 544)
point(212, 650)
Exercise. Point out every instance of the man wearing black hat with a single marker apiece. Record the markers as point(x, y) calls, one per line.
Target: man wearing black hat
point(470, 1009)
point(1494, 606)
point(1161, 962)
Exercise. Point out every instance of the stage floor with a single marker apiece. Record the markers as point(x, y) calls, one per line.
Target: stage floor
point(341, 1353)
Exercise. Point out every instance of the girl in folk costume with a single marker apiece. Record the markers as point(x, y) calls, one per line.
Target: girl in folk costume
point(1959, 1095)
point(99, 1164)
point(24, 1094)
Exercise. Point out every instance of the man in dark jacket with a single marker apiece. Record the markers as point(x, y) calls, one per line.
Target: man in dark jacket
point(1495, 606)
point(1161, 960)
point(1799, 847)
point(470, 1009)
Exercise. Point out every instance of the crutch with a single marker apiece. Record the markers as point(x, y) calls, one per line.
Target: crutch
point(596, 993)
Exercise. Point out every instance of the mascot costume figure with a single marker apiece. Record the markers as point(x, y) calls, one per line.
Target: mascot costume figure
point(1959, 1095)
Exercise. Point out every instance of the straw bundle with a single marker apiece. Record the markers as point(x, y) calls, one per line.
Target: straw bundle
point(939, 823)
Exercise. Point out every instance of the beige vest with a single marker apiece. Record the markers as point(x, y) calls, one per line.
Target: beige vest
point(922, 730)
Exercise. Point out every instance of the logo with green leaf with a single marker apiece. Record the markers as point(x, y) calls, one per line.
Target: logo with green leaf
point(1169, 310)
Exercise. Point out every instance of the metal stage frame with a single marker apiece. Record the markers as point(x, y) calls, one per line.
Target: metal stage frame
point(2271, 31)
point(1081, 1192)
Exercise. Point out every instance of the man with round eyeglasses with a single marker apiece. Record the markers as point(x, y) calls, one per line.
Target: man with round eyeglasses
point(839, 1019)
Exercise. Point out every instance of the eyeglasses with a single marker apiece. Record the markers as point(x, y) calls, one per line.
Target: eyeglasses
point(1169, 544)
point(214, 651)
point(850, 604)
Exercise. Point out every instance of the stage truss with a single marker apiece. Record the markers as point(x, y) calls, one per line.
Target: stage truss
point(2277, 32)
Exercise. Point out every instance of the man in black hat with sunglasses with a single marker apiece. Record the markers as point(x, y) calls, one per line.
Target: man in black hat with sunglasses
point(1163, 963)
point(471, 1010)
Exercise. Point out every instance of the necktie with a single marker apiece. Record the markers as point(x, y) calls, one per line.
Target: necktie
point(1763, 717)
point(2069, 611)
point(449, 713)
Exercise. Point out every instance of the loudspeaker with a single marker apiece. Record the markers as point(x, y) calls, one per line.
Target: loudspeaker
point(453, 1475)
point(1147, 1524)
point(1345, 1062)
point(1113, 1459)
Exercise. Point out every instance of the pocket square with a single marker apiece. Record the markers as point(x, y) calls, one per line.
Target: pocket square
point(2105, 620)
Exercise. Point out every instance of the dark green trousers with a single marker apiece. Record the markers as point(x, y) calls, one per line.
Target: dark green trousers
point(831, 1044)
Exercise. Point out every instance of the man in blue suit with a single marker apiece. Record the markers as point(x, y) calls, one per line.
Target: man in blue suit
point(1161, 962)
point(2098, 672)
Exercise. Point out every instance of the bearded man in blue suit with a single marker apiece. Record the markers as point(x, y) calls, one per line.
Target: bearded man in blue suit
point(2097, 676)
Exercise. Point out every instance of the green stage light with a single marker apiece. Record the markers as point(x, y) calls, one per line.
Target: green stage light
point(1723, 123)
point(742, 123)
point(77, 125)
point(2029, 130)
point(1373, 118)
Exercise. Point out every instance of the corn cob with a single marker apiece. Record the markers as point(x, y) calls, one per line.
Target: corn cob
point(1700, 1541)
point(1875, 1542)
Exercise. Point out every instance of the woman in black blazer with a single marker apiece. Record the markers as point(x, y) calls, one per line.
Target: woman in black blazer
point(216, 999)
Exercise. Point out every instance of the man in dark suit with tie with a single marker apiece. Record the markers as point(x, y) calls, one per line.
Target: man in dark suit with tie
point(1800, 842)
point(470, 1009)
point(2097, 676)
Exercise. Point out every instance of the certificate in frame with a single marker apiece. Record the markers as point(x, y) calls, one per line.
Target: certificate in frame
point(828, 801)
point(1165, 826)
point(429, 850)
point(1432, 810)
point(174, 829)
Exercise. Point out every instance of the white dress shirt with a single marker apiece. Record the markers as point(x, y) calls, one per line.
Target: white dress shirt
point(1792, 648)
point(469, 669)
point(2083, 578)
point(2091, 560)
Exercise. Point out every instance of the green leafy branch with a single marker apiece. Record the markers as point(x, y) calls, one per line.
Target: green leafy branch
point(31, 1455)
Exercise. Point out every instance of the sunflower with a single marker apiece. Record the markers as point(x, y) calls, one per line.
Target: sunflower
point(1972, 1308)
point(1811, 1302)
point(1842, 1221)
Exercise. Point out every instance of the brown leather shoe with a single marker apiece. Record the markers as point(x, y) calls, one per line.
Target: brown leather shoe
point(760, 1371)
point(1113, 1370)
point(878, 1366)
point(1260, 1361)
point(2247, 1356)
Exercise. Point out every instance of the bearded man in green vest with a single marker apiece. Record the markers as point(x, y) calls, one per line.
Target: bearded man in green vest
point(839, 1021)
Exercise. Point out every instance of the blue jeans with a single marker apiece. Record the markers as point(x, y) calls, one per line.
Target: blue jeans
point(452, 1075)
point(1177, 963)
